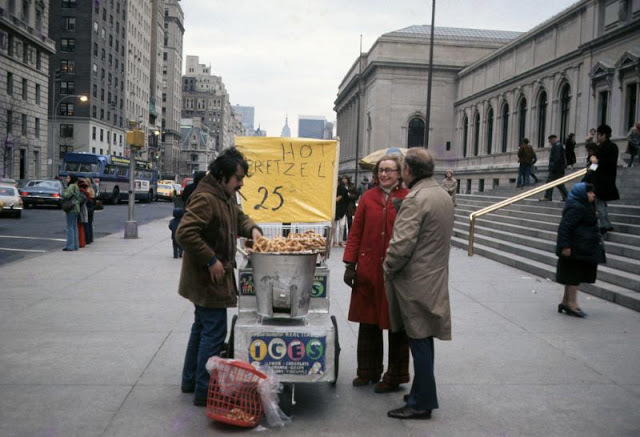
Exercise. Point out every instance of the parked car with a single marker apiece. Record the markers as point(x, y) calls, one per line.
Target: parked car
point(166, 192)
point(9, 181)
point(42, 192)
point(11, 201)
point(186, 181)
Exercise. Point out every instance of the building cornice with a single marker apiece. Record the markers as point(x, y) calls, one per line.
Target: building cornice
point(29, 33)
point(550, 23)
point(630, 29)
point(373, 66)
point(175, 20)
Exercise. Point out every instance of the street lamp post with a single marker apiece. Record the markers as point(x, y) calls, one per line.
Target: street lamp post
point(53, 125)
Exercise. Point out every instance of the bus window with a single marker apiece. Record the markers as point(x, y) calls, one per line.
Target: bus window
point(110, 170)
point(122, 171)
point(71, 166)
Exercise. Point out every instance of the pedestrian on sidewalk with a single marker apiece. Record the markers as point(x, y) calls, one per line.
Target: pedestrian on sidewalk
point(570, 150)
point(91, 202)
point(579, 247)
point(556, 168)
point(363, 255)
point(72, 192)
point(189, 189)
point(526, 158)
point(450, 185)
point(604, 176)
point(633, 145)
point(173, 225)
point(208, 233)
point(83, 217)
point(340, 219)
point(416, 273)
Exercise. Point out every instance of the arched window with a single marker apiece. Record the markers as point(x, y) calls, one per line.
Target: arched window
point(565, 103)
point(542, 118)
point(465, 136)
point(489, 130)
point(416, 133)
point(522, 122)
point(476, 135)
point(505, 127)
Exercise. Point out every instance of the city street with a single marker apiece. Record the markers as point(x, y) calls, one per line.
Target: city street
point(42, 230)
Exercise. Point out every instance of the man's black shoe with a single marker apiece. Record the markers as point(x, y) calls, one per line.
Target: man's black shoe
point(409, 413)
point(188, 388)
point(200, 402)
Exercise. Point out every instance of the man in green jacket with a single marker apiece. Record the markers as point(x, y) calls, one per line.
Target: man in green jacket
point(208, 233)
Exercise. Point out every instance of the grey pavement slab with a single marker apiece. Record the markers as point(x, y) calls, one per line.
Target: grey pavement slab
point(92, 342)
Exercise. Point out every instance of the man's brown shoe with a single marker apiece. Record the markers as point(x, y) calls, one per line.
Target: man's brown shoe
point(409, 413)
point(361, 382)
point(385, 387)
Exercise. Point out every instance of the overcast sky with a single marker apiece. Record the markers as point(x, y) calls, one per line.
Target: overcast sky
point(289, 56)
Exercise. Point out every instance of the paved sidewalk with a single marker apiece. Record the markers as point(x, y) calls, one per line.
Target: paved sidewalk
point(91, 344)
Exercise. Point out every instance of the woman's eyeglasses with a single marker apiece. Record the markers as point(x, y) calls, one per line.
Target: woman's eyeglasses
point(386, 170)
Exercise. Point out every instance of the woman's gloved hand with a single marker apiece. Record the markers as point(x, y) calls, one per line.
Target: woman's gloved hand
point(350, 275)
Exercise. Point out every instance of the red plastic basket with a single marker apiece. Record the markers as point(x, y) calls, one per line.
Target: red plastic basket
point(233, 394)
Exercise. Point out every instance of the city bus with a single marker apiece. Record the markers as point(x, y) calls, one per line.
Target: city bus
point(111, 175)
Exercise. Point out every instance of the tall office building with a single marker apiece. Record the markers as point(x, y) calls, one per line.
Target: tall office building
point(171, 89)
point(205, 97)
point(24, 64)
point(139, 61)
point(286, 130)
point(247, 116)
point(90, 62)
point(154, 128)
point(311, 126)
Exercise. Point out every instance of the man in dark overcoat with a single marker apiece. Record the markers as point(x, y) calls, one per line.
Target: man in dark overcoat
point(604, 177)
point(556, 168)
point(207, 234)
point(416, 272)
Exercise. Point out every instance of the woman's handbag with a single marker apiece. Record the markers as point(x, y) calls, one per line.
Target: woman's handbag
point(67, 205)
point(98, 206)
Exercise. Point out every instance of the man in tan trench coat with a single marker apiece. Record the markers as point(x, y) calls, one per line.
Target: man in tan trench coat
point(416, 271)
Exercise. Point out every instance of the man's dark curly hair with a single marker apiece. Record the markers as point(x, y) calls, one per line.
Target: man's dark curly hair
point(226, 164)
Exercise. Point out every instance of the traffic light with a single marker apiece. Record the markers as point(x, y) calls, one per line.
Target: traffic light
point(135, 138)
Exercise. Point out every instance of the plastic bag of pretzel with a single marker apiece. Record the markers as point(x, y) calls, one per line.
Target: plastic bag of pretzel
point(309, 241)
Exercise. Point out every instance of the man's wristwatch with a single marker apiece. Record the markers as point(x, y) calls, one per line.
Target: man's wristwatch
point(212, 261)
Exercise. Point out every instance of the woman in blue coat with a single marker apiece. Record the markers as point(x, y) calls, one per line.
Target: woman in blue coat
point(579, 246)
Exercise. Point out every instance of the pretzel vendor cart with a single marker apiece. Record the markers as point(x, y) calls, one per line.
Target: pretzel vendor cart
point(284, 319)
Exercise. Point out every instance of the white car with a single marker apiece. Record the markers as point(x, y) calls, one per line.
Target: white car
point(11, 201)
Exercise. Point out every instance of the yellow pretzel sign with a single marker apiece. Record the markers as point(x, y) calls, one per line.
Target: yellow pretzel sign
point(290, 179)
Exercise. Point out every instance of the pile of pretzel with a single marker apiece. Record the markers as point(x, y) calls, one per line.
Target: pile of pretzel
point(241, 416)
point(309, 241)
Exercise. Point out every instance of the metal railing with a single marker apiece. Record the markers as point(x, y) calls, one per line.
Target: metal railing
point(491, 208)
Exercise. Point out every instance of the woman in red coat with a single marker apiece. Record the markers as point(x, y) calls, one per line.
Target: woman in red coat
point(366, 248)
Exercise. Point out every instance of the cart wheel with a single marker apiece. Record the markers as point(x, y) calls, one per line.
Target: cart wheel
point(230, 345)
point(285, 398)
point(336, 363)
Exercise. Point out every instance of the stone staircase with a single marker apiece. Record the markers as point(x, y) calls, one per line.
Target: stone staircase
point(523, 236)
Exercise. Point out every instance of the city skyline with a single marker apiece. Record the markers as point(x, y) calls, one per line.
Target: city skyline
point(259, 44)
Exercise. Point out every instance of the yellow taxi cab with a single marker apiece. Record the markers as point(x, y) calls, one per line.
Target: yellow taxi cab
point(166, 191)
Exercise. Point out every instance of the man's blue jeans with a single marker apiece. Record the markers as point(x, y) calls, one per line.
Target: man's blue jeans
point(72, 231)
point(523, 175)
point(208, 333)
point(423, 395)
